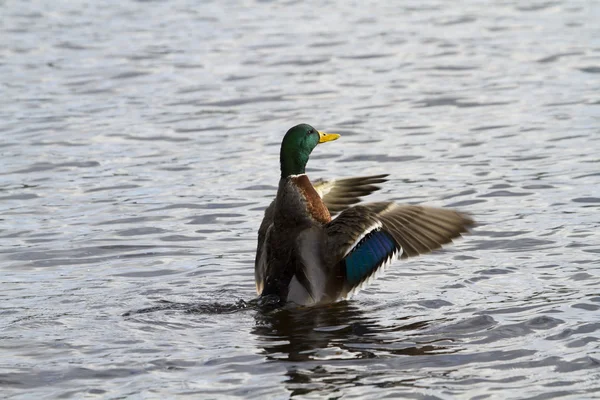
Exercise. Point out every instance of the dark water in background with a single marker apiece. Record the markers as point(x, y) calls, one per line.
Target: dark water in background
point(139, 146)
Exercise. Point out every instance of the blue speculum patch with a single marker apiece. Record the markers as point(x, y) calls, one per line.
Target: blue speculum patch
point(368, 255)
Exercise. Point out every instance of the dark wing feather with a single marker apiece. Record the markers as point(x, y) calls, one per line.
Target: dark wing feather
point(339, 194)
point(364, 238)
point(260, 269)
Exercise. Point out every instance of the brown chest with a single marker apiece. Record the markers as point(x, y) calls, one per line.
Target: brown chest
point(314, 204)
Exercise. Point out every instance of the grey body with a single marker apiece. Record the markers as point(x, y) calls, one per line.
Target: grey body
point(290, 260)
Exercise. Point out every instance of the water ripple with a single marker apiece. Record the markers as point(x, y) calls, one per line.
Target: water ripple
point(141, 144)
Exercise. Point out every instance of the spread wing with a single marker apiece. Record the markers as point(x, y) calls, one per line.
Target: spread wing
point(339, 194)
point(365, 238)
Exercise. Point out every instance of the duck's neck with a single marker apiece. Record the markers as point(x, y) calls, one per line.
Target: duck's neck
point(293, 163)
point(312, 202)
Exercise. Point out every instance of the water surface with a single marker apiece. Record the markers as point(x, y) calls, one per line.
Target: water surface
point(140, 146)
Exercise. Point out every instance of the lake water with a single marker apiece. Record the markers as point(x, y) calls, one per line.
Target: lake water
point(139, 146)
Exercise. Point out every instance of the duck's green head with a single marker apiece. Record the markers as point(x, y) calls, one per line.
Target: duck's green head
point(297, 145)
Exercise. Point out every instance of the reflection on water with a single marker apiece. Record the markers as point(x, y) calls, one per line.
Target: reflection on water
point(140, 147)
point(338, 331)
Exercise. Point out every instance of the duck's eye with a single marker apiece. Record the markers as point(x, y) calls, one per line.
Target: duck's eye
point(310, 131)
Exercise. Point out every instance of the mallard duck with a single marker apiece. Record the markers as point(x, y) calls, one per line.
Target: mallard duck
point(305, 257)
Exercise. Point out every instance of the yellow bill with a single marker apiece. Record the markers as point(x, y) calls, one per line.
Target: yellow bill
point(327, 137)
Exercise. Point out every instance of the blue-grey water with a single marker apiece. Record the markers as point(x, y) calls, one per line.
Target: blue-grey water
point(139, 145)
